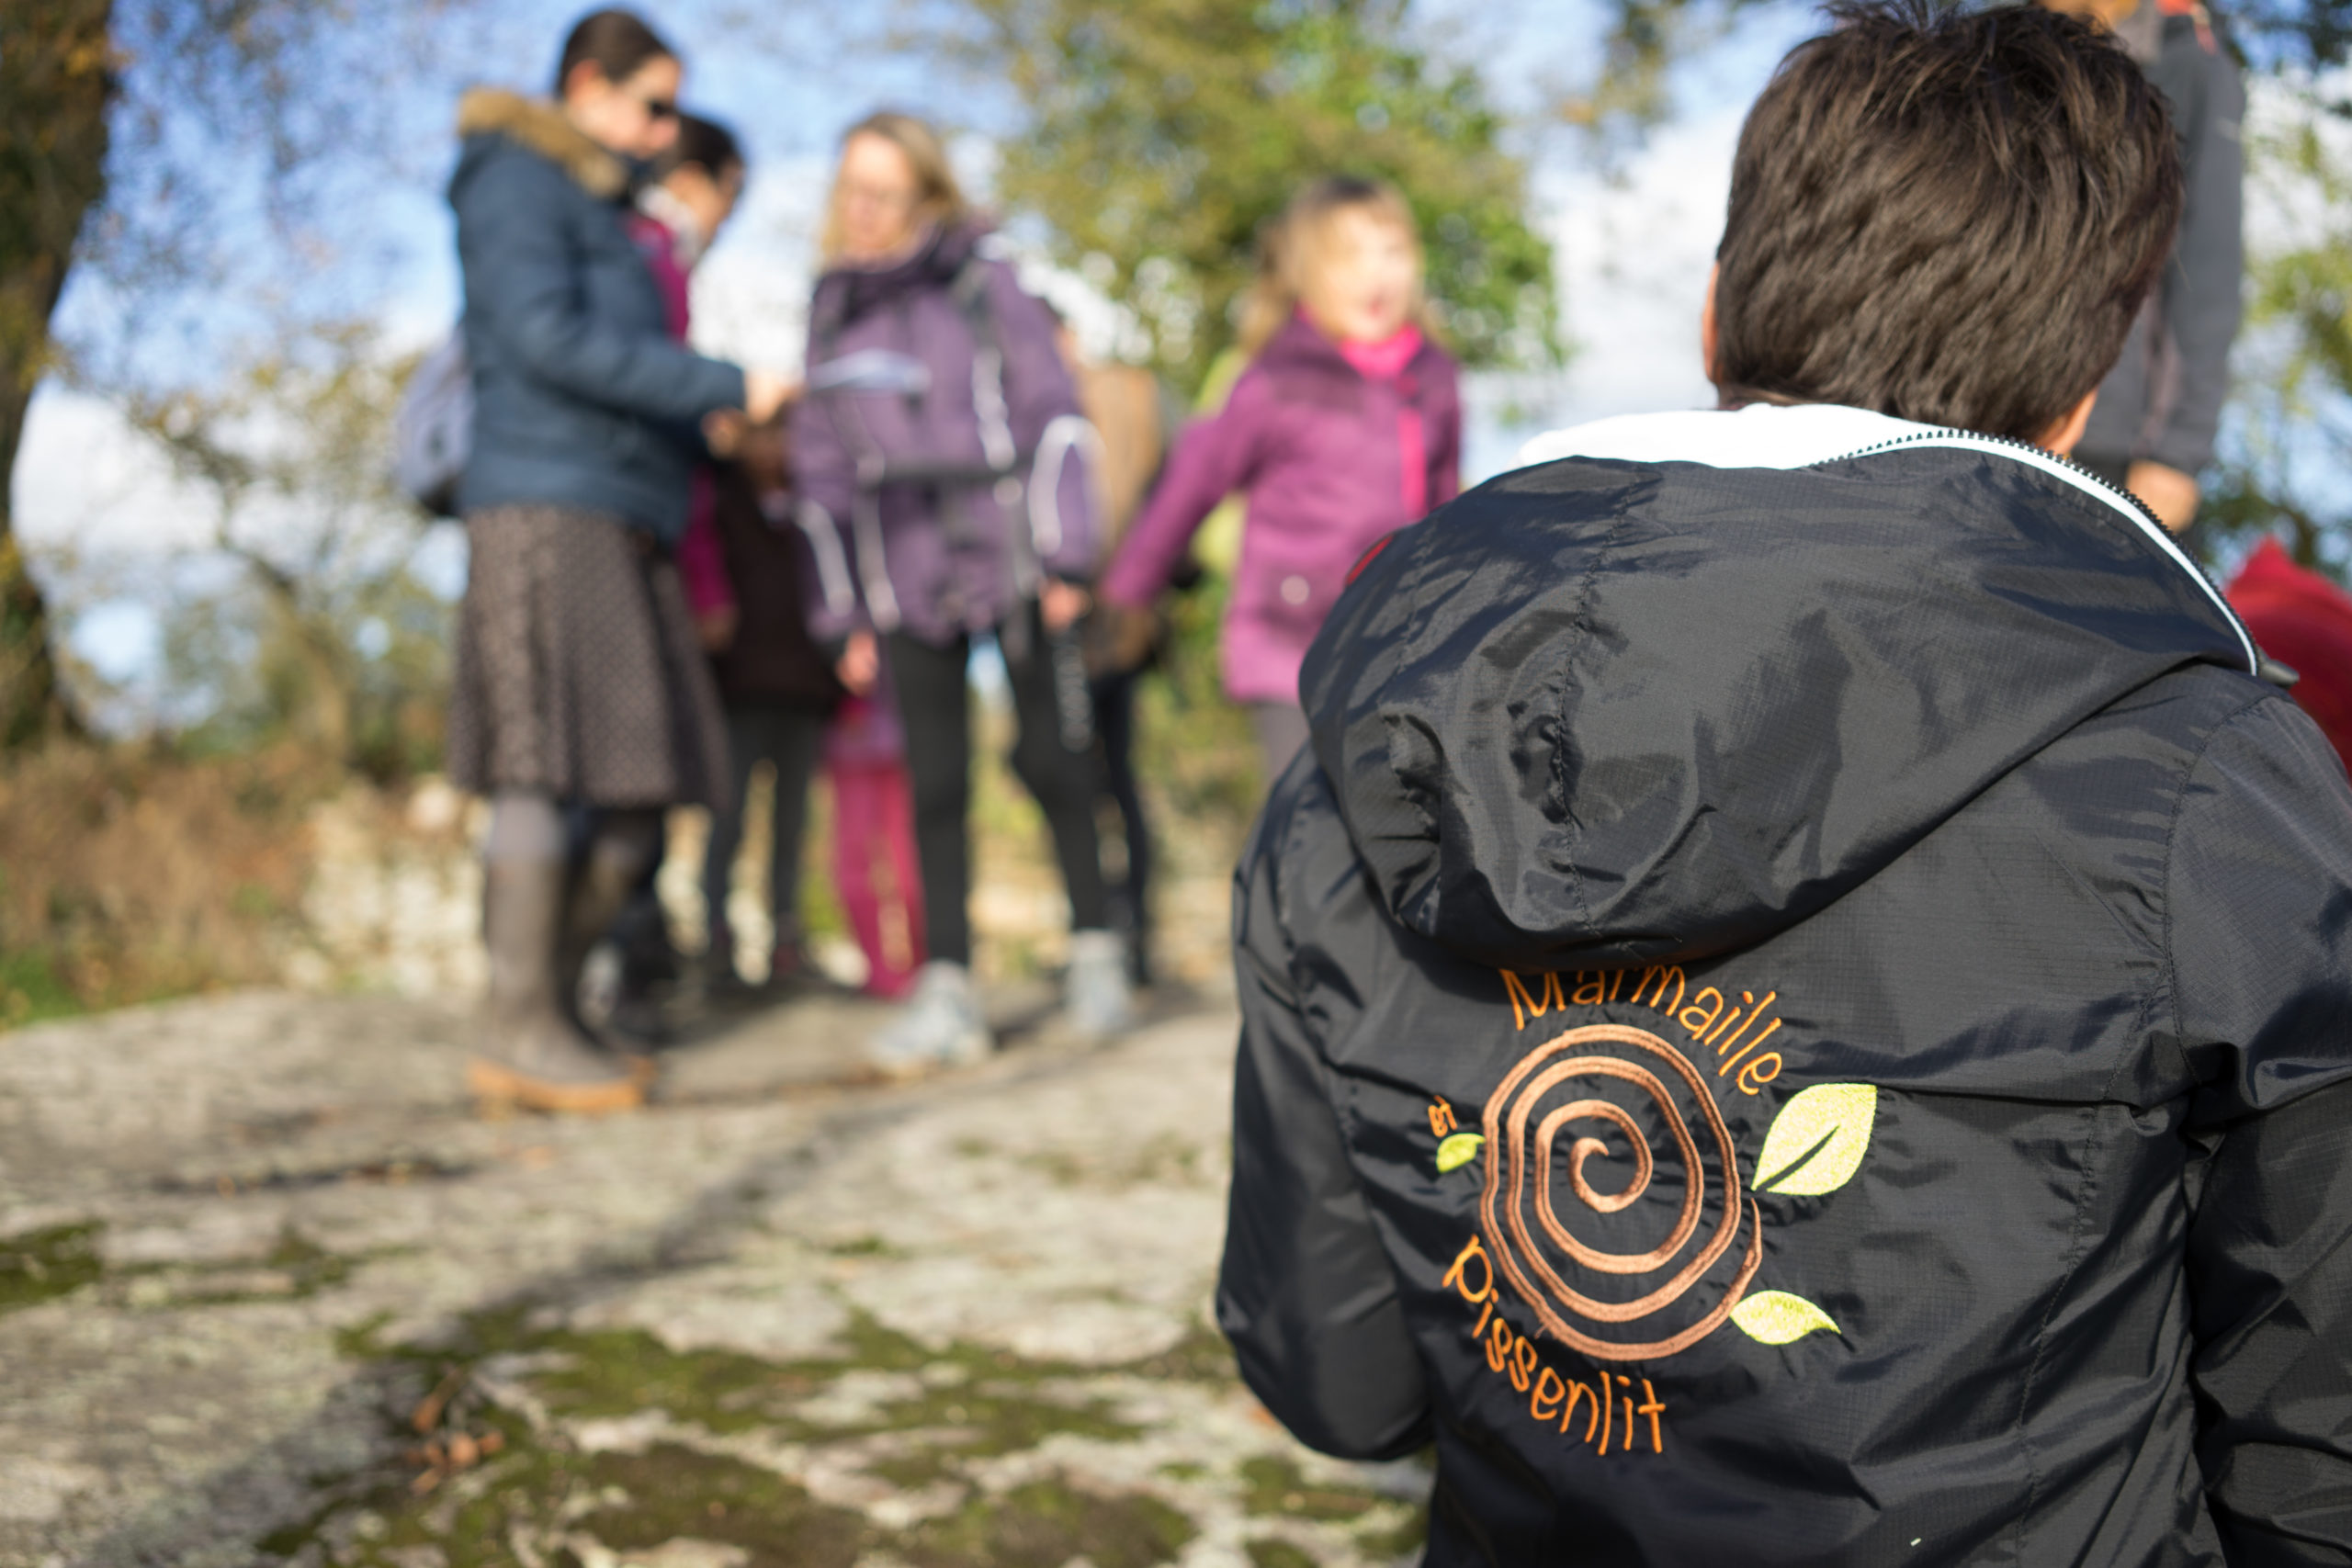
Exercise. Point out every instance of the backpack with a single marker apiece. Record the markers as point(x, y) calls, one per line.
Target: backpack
point(881, 370)
point(432, 429)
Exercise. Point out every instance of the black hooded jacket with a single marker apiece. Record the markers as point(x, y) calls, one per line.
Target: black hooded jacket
point(1799, 1012)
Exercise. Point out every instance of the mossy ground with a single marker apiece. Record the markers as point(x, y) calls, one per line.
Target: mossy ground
point(42, 1265)
point(677, 1367)
point(979, 1439)
point(52, 1263)
point(1277, 1487)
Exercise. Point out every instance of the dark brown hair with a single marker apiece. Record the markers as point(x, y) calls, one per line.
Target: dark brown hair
point(1947, 216)
point(616, 42)
point(704, 143)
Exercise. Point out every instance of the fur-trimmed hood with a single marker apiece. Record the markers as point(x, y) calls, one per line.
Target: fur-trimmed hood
point(542, 126)
point(582, 398)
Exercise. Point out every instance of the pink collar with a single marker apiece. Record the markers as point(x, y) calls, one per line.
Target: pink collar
point(1384, 360)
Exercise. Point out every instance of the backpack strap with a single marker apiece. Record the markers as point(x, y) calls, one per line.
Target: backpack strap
point(970, 293)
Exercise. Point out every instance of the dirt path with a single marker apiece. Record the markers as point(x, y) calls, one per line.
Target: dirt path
point(271, 1290)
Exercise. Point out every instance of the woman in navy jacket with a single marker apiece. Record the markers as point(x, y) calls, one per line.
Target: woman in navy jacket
point(579, 681)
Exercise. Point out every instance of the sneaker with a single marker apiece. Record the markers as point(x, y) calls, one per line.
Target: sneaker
point(940, 1025)
point(1099, 1003)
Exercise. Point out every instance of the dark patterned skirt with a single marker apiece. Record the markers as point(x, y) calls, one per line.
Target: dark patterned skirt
point(578, 672)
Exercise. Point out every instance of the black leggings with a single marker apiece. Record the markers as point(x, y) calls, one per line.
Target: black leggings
point(932, 709)
point(1114, 719)
point(792, 739)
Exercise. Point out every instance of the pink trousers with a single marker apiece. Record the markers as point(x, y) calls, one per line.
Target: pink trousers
point(874, 870)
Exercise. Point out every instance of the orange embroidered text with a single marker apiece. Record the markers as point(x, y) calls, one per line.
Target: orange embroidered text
point(1736, 1031)
point(1612, 1416)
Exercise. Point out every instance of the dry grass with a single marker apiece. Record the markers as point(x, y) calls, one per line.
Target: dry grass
point(128, 873)
point(131, 873)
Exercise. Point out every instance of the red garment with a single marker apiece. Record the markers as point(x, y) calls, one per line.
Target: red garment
point(875, 869)
point(702, 554)
point(876, 872)
point(2302, 620)
point(659, 245)
point(1385, 361)
point(702, 561)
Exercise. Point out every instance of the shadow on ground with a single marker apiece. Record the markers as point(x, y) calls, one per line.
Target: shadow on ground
point(789, 1316)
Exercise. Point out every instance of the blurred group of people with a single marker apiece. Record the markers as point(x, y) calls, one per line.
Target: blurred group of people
point(686, 571)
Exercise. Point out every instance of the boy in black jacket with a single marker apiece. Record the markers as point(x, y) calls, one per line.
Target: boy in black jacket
point(1799, 1010)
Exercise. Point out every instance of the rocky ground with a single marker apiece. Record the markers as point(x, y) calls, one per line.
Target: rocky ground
point(271, 1290)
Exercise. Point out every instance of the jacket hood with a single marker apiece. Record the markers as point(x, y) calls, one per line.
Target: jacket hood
point(846, 293)
point(1694, 676)
point(489, 115)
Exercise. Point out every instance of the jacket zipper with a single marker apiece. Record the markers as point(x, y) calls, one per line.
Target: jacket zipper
point(1922, 437)
point(2259, 664)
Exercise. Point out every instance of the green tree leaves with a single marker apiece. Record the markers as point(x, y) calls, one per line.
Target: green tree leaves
point(1162, 133)
point(1817, 1142)
point(2292, 367)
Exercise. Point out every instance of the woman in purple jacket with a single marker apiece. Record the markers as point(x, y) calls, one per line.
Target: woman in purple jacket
point(1346, 427)
point(944, 494)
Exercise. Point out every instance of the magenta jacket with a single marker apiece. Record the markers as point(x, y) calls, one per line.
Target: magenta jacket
point(1315, 445)
point(702, 567)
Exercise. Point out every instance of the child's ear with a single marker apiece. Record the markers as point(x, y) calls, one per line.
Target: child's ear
point(2062, 436)
point(1707, 324)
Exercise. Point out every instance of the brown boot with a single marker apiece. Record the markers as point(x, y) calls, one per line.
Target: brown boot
point(532, 1054)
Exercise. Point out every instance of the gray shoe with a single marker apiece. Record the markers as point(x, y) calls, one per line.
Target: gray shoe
point(1098, 1003)
point(940, 1025)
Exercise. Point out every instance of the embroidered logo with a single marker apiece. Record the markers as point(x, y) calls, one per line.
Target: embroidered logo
point(1612, 1202)
point(1541, 1125)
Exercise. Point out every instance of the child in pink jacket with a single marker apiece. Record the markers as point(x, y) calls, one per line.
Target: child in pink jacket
point(1346, 427)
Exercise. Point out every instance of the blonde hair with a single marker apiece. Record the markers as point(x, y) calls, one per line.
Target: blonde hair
point(939, 200)
point(1289, 247)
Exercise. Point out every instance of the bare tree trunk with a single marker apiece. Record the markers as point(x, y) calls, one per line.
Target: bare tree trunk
point(56, 82)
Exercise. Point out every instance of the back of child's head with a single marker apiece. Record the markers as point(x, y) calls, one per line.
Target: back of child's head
point(702, 144)
point(1299, 241)
point(1949, 216)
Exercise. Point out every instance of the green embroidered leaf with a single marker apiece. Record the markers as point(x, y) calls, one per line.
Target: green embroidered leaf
point(1776, 1317)
point(1818, 1140)
point(1458, 1151)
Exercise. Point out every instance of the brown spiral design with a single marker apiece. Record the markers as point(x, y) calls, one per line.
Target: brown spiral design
point(1512, 1151)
